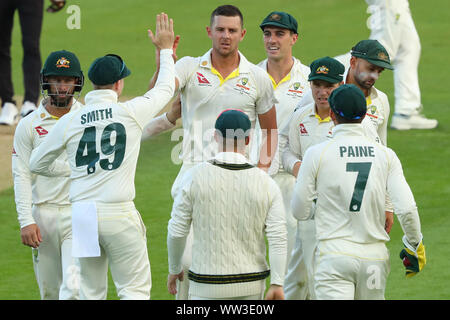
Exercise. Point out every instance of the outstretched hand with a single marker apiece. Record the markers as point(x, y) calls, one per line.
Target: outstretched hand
point(164, 36)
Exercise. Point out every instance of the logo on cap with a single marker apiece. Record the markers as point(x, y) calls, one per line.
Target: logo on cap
point(322, 69)
point(382, 56)
point(62, 63)
point(275, 17)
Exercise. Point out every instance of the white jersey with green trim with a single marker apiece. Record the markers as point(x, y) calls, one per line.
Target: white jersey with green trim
point(350, 176)
point(288, 93)
point(205, 94)
point(102, 140)
point(31, 189)
point(378, 108)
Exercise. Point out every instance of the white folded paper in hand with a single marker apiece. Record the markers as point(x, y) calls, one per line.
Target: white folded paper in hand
point(85, 230)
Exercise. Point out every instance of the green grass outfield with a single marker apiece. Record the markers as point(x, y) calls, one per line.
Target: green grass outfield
point(327, 27)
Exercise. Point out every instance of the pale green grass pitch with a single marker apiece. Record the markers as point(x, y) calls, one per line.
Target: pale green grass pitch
point(326, 28)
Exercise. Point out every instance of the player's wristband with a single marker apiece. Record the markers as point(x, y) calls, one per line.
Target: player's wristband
point(414, 259)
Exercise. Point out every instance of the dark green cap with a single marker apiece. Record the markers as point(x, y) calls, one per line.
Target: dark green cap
point(108, 70)
point(327, 69)
point(233, 122)
point(62, 63)
point(374, 52)
point(348, 101)
point(280, 19)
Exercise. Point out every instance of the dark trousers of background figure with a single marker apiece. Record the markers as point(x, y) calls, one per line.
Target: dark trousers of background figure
point(30, 16)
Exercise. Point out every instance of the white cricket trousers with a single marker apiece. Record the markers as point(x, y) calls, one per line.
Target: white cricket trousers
point(286, 183)
point(123, 246)
point(57, 273)
point(394, 28)
point(351, 271)
point(299, 281)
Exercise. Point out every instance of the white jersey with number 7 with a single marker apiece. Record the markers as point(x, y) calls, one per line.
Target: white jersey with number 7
point(350, 176)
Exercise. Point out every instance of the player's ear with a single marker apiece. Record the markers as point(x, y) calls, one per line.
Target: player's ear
point(208, 31)
point(247, 140)
point(243, 32)
point(294, 38)
point(353, 62)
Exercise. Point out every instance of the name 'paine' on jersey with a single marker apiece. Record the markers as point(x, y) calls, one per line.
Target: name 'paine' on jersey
point(350, 175)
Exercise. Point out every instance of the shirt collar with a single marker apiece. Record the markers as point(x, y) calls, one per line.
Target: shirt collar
point(244, 65)
point(312, 113)
point(231, 157)
point(352, 129)
point(103, 95)
point(286, 78)
point(43, 114)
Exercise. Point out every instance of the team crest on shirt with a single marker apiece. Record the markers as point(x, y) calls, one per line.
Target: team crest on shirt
point(63, 63)
point(373, 109)
point(322, 69)
point(295, 90)
point(241, 86)
point(202, 81)
point(303, 131)
point(41, 131)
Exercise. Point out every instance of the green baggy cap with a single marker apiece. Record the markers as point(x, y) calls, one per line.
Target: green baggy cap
point(233, 121)
point(108, 70)
point(348, 101)
point(327, 69)
point(374, 52)
point(62, 63)
point(280, 19)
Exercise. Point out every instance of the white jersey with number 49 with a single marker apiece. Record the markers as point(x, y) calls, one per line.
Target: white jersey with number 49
point(350, 176)
point(102, 140)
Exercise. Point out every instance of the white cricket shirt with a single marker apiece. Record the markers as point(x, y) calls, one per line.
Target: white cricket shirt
point(288, 93)
point(102, 140)
point(205, 94)
point(377, 108)
point(31, 189)
point(304, 129)
point(350, 176)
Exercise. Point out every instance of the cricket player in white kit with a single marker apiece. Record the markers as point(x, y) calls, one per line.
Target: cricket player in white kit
point(350, 176)
point(367, 61)
point(102, 142)
point(392, 25)
point(221, 79)
point(42, 203)
point(231, 205)
point(307, 126)
point(290, 80)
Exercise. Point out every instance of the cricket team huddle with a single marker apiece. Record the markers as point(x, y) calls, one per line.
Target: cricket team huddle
point(297, 156)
